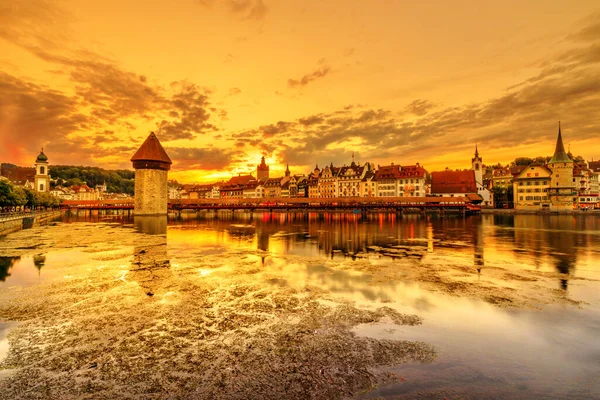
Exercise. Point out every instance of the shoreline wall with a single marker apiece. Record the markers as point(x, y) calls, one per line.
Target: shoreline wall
point(27, 221)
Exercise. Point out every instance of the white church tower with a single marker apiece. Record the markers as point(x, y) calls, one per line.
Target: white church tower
point(477, 166)
point(42, 178)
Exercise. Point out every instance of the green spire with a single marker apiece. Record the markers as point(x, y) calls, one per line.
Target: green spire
point(560, 156)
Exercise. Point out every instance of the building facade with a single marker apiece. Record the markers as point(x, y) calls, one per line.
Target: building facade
point(530, 188)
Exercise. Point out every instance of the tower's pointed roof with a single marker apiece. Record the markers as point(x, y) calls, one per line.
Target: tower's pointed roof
point(476, 151)
point(151, 150)
point(560, 155)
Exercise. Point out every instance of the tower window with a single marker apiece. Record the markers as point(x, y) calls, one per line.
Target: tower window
point(42, 170)
point(41, 187)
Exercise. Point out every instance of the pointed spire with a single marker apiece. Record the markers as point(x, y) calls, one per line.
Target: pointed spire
point(151, 155)
point(560, 156)
point(476, 151)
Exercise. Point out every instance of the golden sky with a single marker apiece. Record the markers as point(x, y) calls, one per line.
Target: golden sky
point(303, 82)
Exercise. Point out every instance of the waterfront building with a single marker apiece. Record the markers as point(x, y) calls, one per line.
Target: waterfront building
point(594, 174)
point(398, 181)
point(453, 183)
point(412, 181)
point(312, 185)
point(42, 177)
point(84, 193)
point(151, 163)
point(234, 191)
point(253, 189)
point(262, 170)
point(387, 178)
point(349, 178)
point(530, 188)
point(501, 181)
point(302, 186)
point(477, 167)
point(368, 185)
point(215, 193)
point(562, 190)
point(272, 187)
point(285, 189)
point(175, 190)
point(297, 186)
point(327, 185)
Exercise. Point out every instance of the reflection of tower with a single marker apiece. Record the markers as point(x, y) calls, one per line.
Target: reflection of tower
point(38, 261)
point(262, 241)
point(563, 244)
point(478, 261)
point(262, 171)
point(42, 179)
point(151, 265)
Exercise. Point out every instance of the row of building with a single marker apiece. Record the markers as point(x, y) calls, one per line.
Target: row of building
point(354, 180)
point(561, 183)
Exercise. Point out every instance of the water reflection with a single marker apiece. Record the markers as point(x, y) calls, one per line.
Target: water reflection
point(6, 263)
point(151, 265)
point(530, 240)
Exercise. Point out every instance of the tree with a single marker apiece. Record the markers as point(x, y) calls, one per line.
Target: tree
point(522, 161)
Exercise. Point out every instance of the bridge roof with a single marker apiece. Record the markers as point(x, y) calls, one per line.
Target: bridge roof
point(151, 150)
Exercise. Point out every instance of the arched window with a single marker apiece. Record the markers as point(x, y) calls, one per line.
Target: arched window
point(476, 167)
point(41, 186)
point(41, 170)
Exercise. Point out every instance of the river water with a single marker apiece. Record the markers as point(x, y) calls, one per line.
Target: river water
point(511, 303)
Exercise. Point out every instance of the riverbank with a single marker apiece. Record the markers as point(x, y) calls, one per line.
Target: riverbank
point(512, 211)
point(10, 224)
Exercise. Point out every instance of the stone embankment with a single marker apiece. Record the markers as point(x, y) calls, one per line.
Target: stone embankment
point(13, 222)
point(512, 211)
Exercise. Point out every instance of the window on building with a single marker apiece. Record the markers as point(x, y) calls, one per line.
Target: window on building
point(521, 198)
point(41, 187)
point(42, 169)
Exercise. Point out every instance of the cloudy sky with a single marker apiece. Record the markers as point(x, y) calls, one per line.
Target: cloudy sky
point(303, 82)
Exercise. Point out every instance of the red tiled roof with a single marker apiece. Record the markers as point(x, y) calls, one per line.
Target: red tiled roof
point(400, 172)
point(453, 182)
point(151, 150)
point(240, 180)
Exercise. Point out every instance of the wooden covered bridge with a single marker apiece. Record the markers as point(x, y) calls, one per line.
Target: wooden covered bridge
point(465, 205)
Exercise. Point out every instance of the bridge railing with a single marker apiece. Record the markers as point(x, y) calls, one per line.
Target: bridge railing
point(9, 216)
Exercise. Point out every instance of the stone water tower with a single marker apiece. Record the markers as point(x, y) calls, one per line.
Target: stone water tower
point(151, 164)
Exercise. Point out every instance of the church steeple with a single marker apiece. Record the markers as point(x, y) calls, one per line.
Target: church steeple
point(560, 155)
point(287, 170)
point(476, 151)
